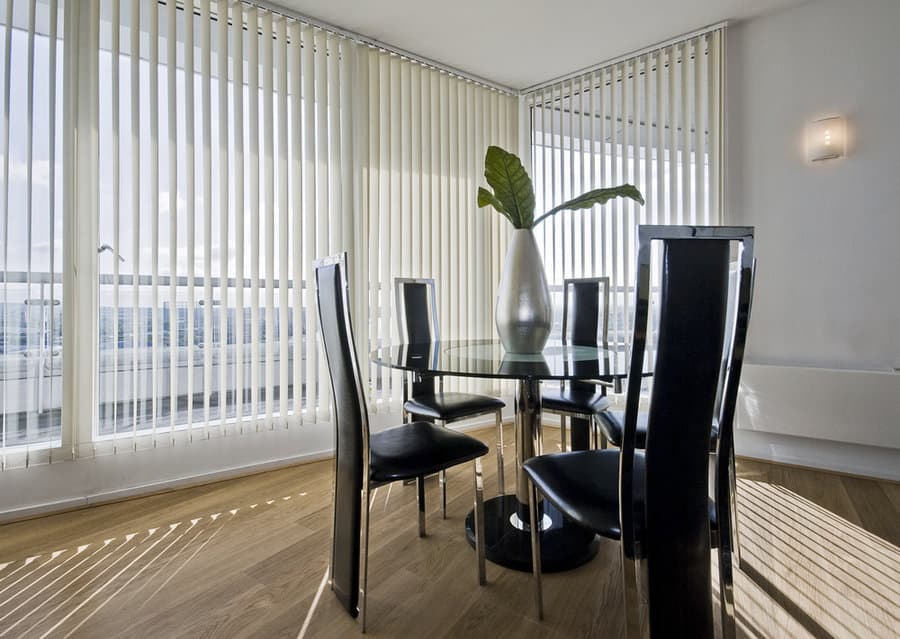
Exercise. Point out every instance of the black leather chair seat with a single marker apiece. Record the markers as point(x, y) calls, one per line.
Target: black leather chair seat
point(417, 449)
point(576, 400)
point(585, 484)
point(612, 423)
point(451, 406)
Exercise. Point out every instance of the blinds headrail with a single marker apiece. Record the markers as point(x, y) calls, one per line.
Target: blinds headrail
point(637, 53)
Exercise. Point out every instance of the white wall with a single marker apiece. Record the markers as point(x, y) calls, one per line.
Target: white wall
point(827, 292)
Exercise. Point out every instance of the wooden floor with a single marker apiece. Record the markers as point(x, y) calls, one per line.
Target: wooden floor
point(247, 558)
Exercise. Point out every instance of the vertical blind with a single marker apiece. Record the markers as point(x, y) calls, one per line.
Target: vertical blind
point(655, 121)
point(216, 149)
point(423, 160)
point(223, 174)
point(30, 228)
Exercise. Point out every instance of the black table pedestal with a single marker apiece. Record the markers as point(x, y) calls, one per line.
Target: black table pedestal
point(564, 545)
point(507, 535)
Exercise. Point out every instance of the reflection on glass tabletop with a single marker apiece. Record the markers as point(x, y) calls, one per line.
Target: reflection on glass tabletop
point(487, 358)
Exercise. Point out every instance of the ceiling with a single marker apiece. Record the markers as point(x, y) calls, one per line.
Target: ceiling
point(519, 43)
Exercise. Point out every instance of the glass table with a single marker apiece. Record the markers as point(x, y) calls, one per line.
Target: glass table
point(564, 544)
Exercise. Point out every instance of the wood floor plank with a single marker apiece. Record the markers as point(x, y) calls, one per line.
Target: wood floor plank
point(246, 558)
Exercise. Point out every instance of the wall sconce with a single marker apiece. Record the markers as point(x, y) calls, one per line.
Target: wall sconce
point(826, 139)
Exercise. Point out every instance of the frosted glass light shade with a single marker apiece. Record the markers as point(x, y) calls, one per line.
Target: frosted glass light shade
point(826, 139)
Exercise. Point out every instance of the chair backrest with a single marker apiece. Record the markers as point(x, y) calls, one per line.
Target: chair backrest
point(725, 482)
point(417, 322)
point(351, 425)
point(691, 340)
point(585, 320)
point(416, 309)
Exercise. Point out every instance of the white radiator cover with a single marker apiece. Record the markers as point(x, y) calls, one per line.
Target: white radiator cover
point(845, 420)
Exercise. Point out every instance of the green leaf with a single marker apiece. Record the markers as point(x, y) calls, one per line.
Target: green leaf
point(512, 186)
point(486, 198)
point(597, 196)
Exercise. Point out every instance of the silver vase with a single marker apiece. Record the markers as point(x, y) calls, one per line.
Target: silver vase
point(523, 312)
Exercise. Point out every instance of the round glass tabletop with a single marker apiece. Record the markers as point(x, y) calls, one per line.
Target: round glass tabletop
point(487, 358)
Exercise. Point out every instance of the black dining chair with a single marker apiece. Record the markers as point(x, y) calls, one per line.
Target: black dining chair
point(656, 500)
point(585, 322)
point(365, 460)
point(612, 422)
point(417, 323)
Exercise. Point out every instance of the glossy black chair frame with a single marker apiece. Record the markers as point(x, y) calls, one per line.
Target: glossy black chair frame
point(598, 335)
point(412, 332)
point(664, 583)
point(353, 485)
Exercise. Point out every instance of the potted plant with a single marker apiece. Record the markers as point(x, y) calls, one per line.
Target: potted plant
point(523, 313)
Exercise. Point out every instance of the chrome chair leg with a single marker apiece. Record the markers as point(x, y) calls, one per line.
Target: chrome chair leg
point(736, 543)
point(500, 481)
point(562, 433)
point(363, 578)
point(631, 596)
point(420, 498)
point(479, 521)
point(726, 592)
point(443, 480)
point(535, 548)
point(729, 555)
point(602, 442)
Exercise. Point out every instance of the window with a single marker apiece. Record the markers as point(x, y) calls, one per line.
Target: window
point(217, 190)
point(653, 121)
point(31, 296)
point(216, 155)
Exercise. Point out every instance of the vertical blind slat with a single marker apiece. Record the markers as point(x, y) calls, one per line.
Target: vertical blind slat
point(592, 171)
point(154, 211)
point(206, 105)
point(51, 178)
point(135, 214)
point(283, 224)
point(700, 125)
point(296, 215)
point(190, 205)
point(266, 59)
point(7, 66)
point(716, 109)
point(223, 205)
point(115, 20)
point(172, 65)
point(309, 191)
point(688, 214)
point(321, 182)
point(30, 415)
point(238, 128)
point(253, 170)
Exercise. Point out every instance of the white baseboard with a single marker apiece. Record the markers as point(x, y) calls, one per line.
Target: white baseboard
point(851, 459)
point(150, 488)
